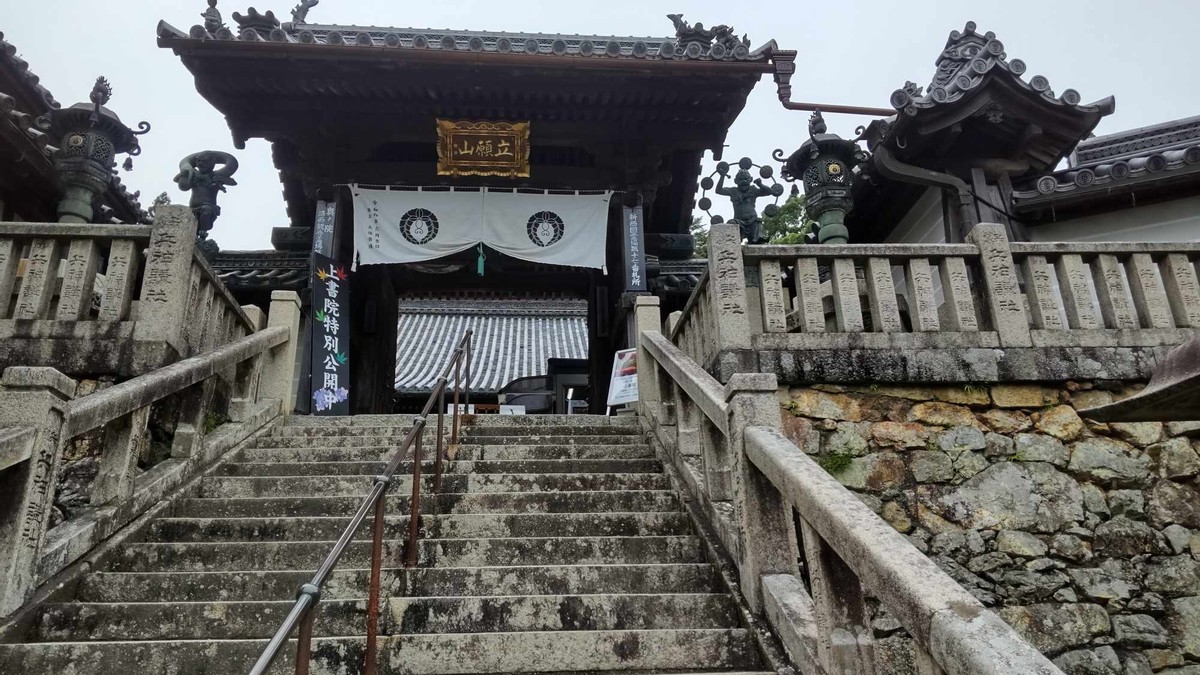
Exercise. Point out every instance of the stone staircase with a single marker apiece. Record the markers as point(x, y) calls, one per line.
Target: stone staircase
point(557, 544)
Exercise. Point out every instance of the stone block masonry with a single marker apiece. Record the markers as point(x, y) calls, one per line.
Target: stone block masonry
point(1085, 537)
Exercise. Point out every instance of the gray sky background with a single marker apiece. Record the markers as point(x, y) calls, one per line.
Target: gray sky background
point(851, 52)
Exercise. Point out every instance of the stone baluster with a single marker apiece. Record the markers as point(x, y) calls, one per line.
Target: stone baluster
point(647, 319)
point(79, 279)
point(1149, 297)
point(123, 441)
point(922, 303)
point(763, 517)
point(716, 459)
point(727, 297)
point(277, 378)
point(959, 305)
point(10, 259)
point(847, 306)
point(1183, 291)
point(119, 279)
point(1006, 308)
point(34, 398)
point(165, 295)
point(1043, 304)
point(1113, 293)
point(845, 642)
point(881, 294)
point(41, 273)
point(774, 303)
point(809, 308)
point(248, 375)
point(1077, 295)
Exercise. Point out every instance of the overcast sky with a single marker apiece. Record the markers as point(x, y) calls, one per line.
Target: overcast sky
point(850, 52)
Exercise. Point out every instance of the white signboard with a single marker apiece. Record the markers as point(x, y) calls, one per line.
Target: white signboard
point(624, 386)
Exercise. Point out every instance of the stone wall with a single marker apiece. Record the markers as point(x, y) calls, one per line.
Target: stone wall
point(1084, 536)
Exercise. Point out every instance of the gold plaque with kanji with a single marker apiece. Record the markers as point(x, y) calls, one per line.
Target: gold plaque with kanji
point(483, 148)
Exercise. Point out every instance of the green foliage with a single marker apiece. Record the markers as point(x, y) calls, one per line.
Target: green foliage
point(835, 463)
point(789, 226)
point(213, 420)
point(973, 389)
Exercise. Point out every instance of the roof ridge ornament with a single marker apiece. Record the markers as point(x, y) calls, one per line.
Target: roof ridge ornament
point(212, 18)
point(300, 12)
point(720, 39)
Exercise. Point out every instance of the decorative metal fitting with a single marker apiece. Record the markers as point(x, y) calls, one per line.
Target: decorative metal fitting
point(311, 591)
point(91, 136)
point(825, 164)
point(383, 479)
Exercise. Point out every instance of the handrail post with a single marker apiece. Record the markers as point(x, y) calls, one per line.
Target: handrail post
point(304, 639)
point(647, 319)
point(765, 523)
point(1005, 306)
point(414, 510)
point(457, 383)
point(730, 306)
point(467, 383)
point(437, 478)
point(371, 664)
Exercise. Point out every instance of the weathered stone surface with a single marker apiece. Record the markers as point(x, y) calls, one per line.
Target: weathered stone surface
point(1099, 584)
point(1128, 503)
point(1022, 396)
point(1015, 496)
point(966, 395)
point(1184, 621)
point(873, 472)
point(1158, 659)
point(1176, 458)
point(1061, 422)
point(1053, 627)
point(1175, 575)
point(1178, 537)
point(899, 434)
point(822, 405)
point(999, 447)
point(960, 439)
point(1172, 502)
point(1183, 428)
point(942, 414)
point(1124, 537)
point(1140, 434)
point(1040, 448)
point(1093, 499)
point(1090, 398)
point(1020, 543)
point(1106, 460)
point(931, 466)
point(1139, 630)
point(1070, 547)
point(897, 517)
point(933, 522)
point(846, 439)
point(895, 655)
point(1099, 661)
point(1006, 421)
point(988, 562)
point(968, 464)
point(800, 431)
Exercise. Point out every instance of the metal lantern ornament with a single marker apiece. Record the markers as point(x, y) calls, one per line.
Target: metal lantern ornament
point(91, 136)
point(825, 163)
point(746, 191)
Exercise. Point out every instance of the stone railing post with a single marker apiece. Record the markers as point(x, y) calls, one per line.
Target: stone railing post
point(1002, 293)
point(647, 319)
point(768, 538)
point(276, 381)
point(730, 308)
point(163, 304)
point(248, 374)
point(34, 398)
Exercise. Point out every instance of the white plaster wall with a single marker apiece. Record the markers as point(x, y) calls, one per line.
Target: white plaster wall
point(1177, 220)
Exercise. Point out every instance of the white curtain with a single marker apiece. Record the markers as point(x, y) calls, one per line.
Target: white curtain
point(392, 226)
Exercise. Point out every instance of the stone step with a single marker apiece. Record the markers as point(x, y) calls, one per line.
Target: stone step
point(405, 420)
point(484, 438)
point(445, 503)
point(371, 468)
point(550, 430)
point(437, 654)
point(461, 526)
point(220, 620)
point(501, 614)
point(399, 430)
point(382, 453)
point(348, 582)
point(283, 486)
point(274, 555)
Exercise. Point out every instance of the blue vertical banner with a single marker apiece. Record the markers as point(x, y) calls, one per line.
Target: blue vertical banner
point(330, 337)
point(633, 246)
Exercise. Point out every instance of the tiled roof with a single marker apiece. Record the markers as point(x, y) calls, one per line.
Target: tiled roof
point(260, 28)
point(1134, 156)
point(513, 337)
point(257, 270)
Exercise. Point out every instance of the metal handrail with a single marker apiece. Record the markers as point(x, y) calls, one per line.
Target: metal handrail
point(303, 612)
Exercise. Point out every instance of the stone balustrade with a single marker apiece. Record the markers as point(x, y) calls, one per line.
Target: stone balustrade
point(120, 300)
point(985, 311)
point(749, 480)
point(40, 415)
